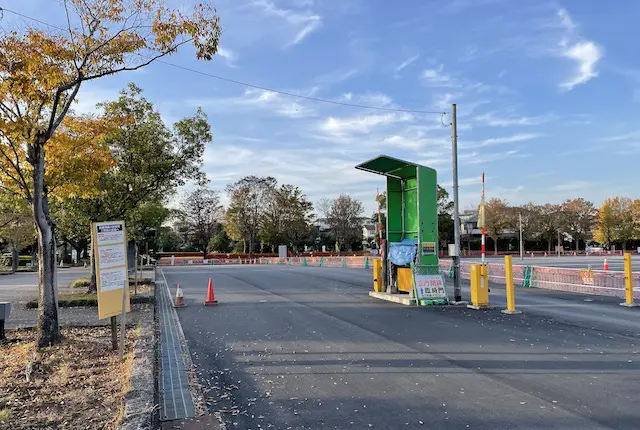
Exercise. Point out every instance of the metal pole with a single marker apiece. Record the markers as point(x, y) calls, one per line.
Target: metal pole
point(483, 232)
point(521, 242)
point(456, 212)
point(558, 247)
point(114, 334)
point(123, 318)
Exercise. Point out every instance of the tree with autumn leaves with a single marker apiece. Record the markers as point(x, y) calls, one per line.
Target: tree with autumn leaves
point(618, 222)
point(541, 223)
point(45, 150)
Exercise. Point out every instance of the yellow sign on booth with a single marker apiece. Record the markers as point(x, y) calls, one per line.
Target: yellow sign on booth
point(109, 243)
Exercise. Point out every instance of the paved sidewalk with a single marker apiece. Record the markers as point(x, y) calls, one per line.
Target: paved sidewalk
point(176, 401)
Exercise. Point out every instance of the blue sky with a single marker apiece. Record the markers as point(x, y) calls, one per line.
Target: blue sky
point(548, 93)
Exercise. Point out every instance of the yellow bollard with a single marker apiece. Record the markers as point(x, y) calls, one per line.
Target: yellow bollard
point(628, 282)
point(377, 275)
point(479, 290)
point(511, 293)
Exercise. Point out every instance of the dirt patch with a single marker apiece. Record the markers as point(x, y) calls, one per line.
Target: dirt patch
point(144, 287)
point(78, 384)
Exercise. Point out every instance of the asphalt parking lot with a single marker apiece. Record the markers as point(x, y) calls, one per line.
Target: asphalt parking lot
point(305, 347)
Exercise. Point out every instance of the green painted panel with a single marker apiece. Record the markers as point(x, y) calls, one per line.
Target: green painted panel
point(394, 210)
point(411, 213)
point(428, 215)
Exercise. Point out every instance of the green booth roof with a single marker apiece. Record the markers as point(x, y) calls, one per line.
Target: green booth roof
point(391, 167)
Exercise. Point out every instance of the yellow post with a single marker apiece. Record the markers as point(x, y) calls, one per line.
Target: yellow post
point(485, 278)
point(628, 282)
point(474, 278)
point(377, 275)
point(479, 291)
point(511, 294)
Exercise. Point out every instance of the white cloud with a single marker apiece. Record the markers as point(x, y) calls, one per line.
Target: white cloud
point(438, 78)
point(493, 120)
point(267, 101)
point(304, 23)
point(336, 76)
point(586, 55)
point(634, 135)
point(90, 95)
point(476, 157)
point(405, 142)
point(572, 186)
point(565, 20)
point(407, 63)
point(306, 30)
point(520, 137)
point(463, 182)
point(361, 124)
point(228, 55)
point(375, 99)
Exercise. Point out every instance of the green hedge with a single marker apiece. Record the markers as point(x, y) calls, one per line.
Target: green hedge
point(87, 302)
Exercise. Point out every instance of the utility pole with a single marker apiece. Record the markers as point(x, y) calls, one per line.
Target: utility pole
point(521, 242)
point(456, 213)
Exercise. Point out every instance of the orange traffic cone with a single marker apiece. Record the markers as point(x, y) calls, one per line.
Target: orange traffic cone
point(179, 298)
point(606, 265)
point(211, 298)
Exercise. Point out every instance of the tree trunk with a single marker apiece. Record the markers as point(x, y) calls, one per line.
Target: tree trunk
point(78, 254)
point(495, 246)
point(93, 284)
point(549, 245)
point(577, 244)
point(48, 327)
point(15, 258)
point(63, 253)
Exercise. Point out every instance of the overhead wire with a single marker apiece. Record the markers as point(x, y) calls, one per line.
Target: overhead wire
point(254, 86)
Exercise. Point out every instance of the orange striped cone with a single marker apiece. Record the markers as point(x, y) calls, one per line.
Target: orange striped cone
point(211, 298)
point(605, 266)
point(179, 298)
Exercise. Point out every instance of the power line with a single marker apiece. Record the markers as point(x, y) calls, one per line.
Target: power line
point(259, 87)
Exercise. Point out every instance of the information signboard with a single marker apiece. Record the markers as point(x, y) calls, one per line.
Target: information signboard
point(109, 243)
point(428, 248)
point(429, 287)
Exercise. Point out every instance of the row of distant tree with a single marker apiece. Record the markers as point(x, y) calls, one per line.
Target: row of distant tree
point(261, 215)
point(615, 222)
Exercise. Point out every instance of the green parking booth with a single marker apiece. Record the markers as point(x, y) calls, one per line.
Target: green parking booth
point(410, 247)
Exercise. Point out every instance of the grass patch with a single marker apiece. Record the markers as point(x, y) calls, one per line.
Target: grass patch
point(81, 283)
point(5, 415)
point(80, 383)
point(86, 300)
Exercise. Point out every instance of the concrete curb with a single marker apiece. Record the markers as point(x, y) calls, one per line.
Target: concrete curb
point(140, 405)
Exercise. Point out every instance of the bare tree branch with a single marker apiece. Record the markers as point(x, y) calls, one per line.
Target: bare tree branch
point(73, 40)
point(13, 192)
point(53, 125)
point(20, 182)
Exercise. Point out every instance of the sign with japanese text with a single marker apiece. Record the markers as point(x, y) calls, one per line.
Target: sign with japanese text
point(109, 243)
point(429, 287)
